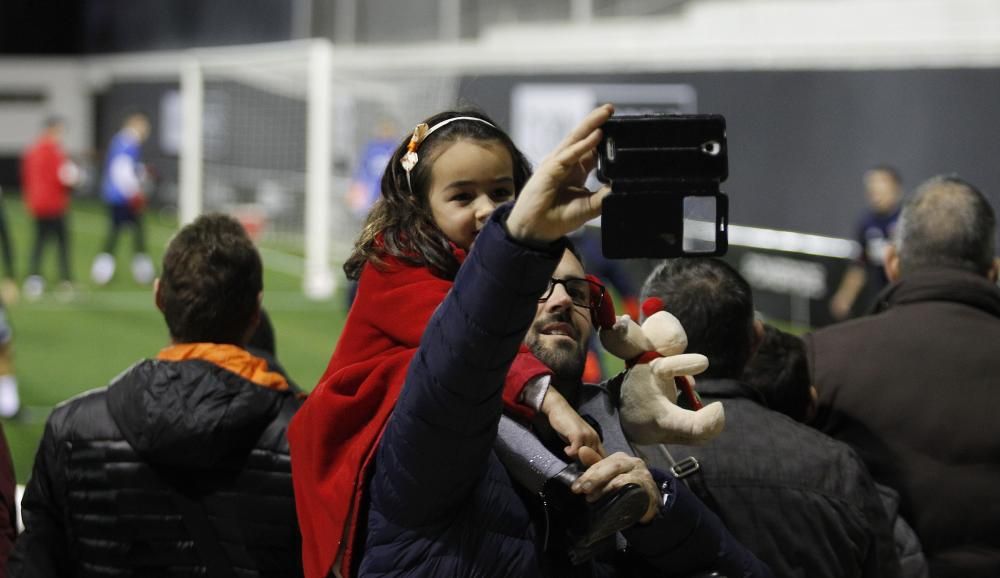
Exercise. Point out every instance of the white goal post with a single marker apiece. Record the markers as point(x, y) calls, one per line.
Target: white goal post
point(300, 71)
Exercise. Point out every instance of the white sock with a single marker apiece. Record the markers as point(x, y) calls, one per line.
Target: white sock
point(10, 401)
point(103, 268)
point(142, 269)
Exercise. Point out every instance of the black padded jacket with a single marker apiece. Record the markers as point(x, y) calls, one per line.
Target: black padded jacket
point(116, 467)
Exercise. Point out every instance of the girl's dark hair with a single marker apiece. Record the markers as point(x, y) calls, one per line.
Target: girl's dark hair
point(400, 223)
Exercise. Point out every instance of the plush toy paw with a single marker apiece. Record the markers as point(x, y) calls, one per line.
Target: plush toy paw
point(648, 408)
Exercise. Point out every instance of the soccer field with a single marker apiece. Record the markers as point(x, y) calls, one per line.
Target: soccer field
point(64, 347)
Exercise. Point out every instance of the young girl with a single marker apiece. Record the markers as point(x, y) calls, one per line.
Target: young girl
point(438, 190)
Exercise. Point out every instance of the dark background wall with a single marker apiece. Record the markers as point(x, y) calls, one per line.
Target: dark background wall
point(95, 26)
point(800, 141)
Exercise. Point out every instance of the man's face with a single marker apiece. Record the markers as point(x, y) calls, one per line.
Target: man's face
point(558, 337)
point(882, 191)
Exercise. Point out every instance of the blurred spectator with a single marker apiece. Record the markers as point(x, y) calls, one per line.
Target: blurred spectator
point(46, 177)
point(8, 508)
point(914, 387)
point(802, 502)
point(366, 181)
point(122, 189)
point(780, 372)
point(180, 466)
point(883, 191)
point(10, 400)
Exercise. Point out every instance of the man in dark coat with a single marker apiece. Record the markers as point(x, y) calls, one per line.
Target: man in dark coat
point(439, 501)
point(801, 501)
point(180, 466)
point(913, 387)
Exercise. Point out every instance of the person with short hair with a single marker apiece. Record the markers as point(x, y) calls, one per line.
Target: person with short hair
point(779, 370)
point(864, 277)
point(913, 387)
point(181, 465)
point(801, 501)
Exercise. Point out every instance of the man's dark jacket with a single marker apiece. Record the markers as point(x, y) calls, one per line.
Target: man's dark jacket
point(915, 389)
point(113, 466)
point(801, 501)
point(440, 502)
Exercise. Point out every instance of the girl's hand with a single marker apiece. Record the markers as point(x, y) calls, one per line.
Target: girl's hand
point(569, 425)
point(555, 201)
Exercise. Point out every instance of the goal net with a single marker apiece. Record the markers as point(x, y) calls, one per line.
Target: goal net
point(294, 142)
point(291, 138)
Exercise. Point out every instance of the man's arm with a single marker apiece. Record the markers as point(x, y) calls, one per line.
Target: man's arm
point(850, 287)
point(43, 549)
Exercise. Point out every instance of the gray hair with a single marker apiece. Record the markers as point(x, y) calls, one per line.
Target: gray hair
point(947, 223)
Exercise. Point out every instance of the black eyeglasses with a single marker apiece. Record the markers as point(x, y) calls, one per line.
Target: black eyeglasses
point(583, 292)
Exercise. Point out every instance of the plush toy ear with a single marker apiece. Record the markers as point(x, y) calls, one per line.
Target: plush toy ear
point(602, 312)
point(652, 305)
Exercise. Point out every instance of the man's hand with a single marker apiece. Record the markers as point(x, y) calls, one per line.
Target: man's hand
point(569, 425)
point(555, 201)
point(607, 475)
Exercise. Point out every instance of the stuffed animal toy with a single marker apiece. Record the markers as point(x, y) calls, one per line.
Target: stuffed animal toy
point(658, 367)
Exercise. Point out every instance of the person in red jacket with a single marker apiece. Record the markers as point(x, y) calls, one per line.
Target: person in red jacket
point(46, 177)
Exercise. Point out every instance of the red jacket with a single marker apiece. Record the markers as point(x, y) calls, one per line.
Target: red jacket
point(334, 436)
point(44, 193)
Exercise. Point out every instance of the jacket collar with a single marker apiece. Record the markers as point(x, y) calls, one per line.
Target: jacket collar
point(942, 284)
point(229, 357)
point(728, 388)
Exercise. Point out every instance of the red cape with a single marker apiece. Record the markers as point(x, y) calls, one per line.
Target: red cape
point(334, 435)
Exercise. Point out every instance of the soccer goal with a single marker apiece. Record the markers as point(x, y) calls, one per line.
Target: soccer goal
point(291, 138)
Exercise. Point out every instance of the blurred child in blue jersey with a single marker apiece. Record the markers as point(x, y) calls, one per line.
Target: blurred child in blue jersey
point(367, 180)
point(122, 190)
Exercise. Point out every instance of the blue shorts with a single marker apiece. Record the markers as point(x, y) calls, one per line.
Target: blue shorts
point(121, 214)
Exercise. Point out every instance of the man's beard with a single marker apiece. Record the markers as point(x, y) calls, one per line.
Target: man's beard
point(565, 358)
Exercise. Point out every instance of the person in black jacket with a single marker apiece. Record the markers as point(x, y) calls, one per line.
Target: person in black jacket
point(801, 501)
point(439, 501)
point(180, 466)
point(913, 387)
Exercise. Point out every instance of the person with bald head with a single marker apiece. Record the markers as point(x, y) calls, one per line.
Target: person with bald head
point(913, 387)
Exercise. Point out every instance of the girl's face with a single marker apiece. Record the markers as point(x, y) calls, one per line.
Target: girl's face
point(468, 180)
